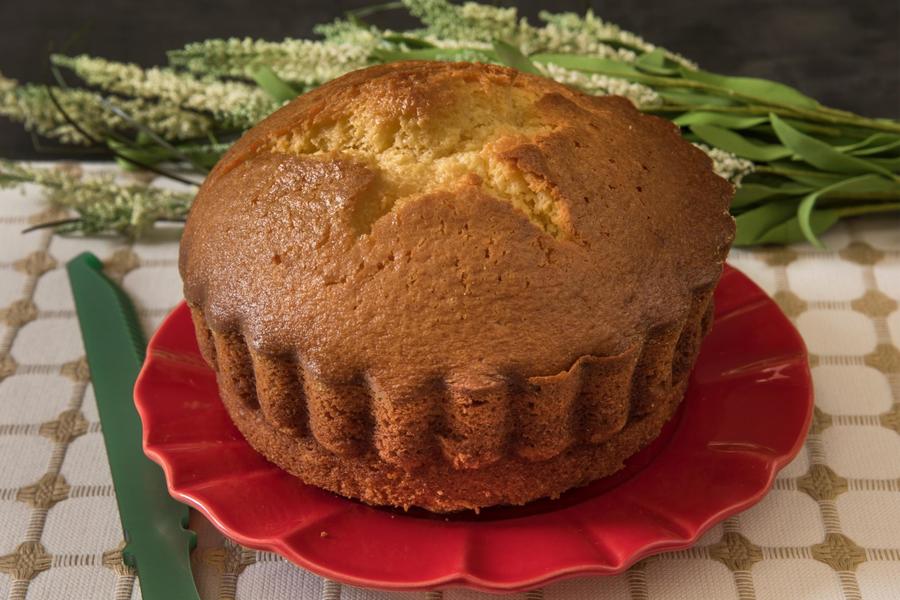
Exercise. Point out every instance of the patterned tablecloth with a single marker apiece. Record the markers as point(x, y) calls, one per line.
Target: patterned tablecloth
point(830, 528)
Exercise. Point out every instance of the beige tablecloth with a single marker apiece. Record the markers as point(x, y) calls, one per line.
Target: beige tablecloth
point(829, 529)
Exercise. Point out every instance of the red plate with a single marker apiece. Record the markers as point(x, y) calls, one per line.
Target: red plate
point(744, 417)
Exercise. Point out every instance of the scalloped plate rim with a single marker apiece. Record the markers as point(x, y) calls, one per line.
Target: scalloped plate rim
point(461, 578)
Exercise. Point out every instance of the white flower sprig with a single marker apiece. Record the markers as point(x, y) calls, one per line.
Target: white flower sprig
point(100, 202)
point(468, 22)
point(593, 83)
point(303, 62)
point(233, 105)
point(727, 165)
point(476, 25)
point(32, 105)
point(589, 35)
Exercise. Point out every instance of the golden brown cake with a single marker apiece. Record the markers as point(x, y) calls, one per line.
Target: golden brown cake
point(453, 285)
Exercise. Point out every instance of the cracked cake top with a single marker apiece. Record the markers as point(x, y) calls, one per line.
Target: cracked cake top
point(425, 221)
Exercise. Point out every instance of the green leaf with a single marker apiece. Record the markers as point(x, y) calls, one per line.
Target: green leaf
point(804, 126)
point(814, 179)
point(891, 164)
point(753, 224)
point(365, 11)
point(749, 193)
point(887, 147)
point(272, 84)
point(151, 156)
point(655, 63)
point(512, 57)
point(863, 183)
point(820, 154)
point(387, 56)
point(201, 155)
point(736, 144)
point(791, 232)
point(766, 91)
point(718, 119)
point(820, 221)
point(807, 127)
point(777, 223)
point(590, 64)
point(693, 98)
point(868, 209)
point(876, 140)
point(410, 41)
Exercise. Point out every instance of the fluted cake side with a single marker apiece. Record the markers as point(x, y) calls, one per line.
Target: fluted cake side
point(453, 445)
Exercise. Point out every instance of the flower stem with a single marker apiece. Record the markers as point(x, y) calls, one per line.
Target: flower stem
point(876, 196)
point(851, 211)
point(787, 172)
point(855, 120)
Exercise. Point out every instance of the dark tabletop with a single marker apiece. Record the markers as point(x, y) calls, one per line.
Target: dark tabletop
point(845, 53)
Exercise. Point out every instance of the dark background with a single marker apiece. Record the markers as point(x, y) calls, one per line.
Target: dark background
point(845, 53)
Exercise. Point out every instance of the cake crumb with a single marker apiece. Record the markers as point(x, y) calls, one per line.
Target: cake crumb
point(323, 534)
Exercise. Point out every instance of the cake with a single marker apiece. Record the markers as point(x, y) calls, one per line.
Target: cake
point(454, 285)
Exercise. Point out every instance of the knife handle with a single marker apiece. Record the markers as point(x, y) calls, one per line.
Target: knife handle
point(157, 543)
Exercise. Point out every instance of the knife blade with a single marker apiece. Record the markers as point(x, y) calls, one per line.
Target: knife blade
point(158, 544)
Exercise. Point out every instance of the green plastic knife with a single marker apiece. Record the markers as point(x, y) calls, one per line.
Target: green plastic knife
point(158, 544)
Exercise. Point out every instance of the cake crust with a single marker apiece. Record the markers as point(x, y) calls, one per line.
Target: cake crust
point(427, 272)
